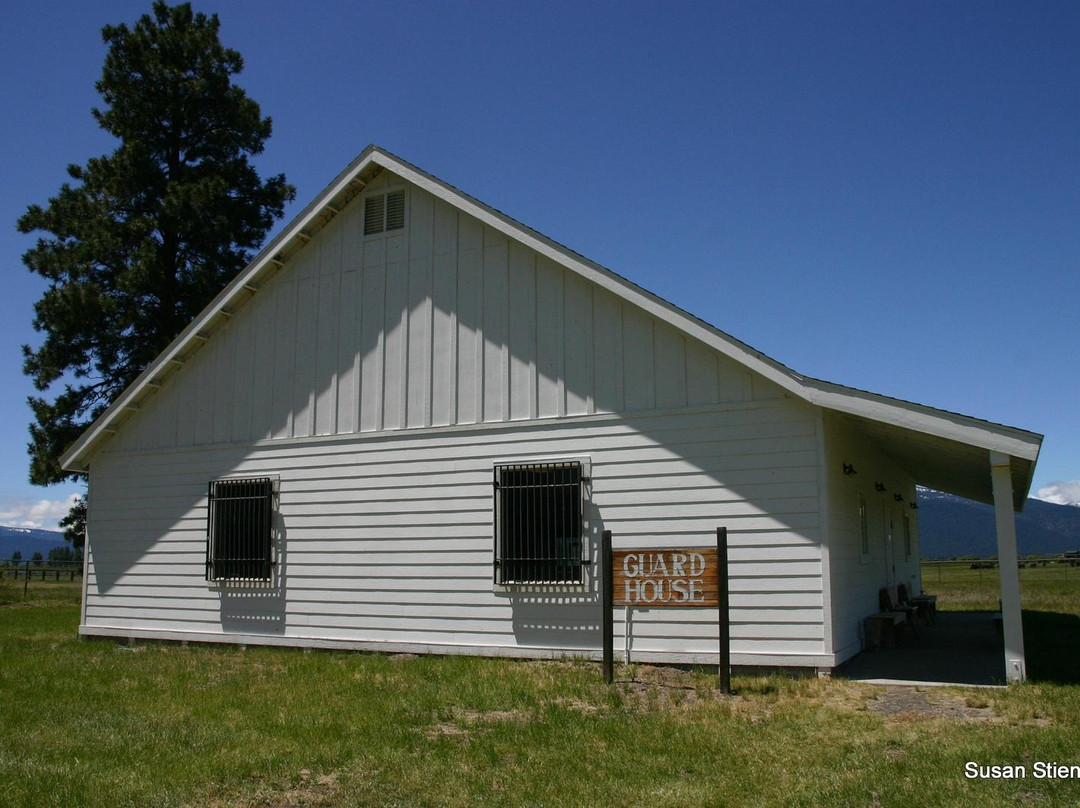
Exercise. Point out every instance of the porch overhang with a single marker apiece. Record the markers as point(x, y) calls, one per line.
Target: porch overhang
point(951, 465)
point(959, 455)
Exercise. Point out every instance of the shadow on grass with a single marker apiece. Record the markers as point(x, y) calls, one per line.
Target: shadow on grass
point(1052, 647)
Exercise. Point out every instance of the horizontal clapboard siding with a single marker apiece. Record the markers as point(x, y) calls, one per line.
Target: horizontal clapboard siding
point(387, 538)
point(443, 322)
point(856, 579)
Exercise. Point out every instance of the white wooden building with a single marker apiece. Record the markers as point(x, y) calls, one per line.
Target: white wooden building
point(386, 358)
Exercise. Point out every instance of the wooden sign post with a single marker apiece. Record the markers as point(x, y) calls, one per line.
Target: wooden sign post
point(609, 625)
point(722, 608)
point(694, 577)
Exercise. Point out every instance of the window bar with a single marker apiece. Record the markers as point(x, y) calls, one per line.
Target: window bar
point(541, 523)
point(509, 547)
point(505, 571)
point(524, 541)
point(496, 523)
point(560, 519)
point(507, 536)
point(243, 535)
point(566, 504)
point(250, 513)
point(209, 532)
point(506, 512)
point(255, 524)
point(268, 515)
point(534, 529)
point(524, 549)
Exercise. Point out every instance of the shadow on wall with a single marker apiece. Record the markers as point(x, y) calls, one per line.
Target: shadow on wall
point(569, 620)
point(247, 608)
point(256, 608)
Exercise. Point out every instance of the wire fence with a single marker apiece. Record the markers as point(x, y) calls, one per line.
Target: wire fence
point(27, 570)
point(1063, 569)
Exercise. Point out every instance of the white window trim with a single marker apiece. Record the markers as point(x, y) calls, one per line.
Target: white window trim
point(275, 535)
point(587, 539)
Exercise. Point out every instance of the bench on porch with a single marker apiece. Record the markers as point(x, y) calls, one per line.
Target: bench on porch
point(882, 629)
point(925, 605)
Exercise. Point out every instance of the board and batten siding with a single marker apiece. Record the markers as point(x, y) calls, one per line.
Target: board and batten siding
point(386, 539)
point(445, 322)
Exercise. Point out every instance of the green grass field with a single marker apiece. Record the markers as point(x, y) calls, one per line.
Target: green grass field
point(98, 723)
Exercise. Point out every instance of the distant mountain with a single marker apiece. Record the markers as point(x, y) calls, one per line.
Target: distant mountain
point(28, 541)
point(950, 526)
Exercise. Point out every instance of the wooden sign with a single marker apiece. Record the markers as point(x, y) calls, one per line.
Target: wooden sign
point(661, 578)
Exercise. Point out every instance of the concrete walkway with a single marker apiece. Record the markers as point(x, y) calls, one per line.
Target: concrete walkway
point(963, 648)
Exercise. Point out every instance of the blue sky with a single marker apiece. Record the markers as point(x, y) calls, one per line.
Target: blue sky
point(884, 195)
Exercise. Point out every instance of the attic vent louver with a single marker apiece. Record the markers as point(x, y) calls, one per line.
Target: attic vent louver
point(395, 210)
point(384, 212)
point(374, 207)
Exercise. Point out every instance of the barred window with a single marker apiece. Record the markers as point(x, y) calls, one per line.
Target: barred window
point(538, 523)
point(384, 212)
point(239, 530)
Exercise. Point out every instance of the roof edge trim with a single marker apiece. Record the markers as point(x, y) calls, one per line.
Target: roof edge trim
point(74, 458)
point(966, 429)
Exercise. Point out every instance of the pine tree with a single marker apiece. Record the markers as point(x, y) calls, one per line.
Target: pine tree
point(143, 238)
point(74, 524)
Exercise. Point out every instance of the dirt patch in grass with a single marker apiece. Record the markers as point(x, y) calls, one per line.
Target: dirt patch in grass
point(658, 687)
point(914, 703)
point(651, 688)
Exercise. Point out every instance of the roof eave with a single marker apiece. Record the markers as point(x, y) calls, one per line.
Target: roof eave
point(1009, 440)
point(76, 458)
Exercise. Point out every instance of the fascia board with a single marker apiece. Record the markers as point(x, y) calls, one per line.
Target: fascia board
point(920, 418)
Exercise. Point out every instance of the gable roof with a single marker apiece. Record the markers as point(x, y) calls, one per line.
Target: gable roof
point(890, 420)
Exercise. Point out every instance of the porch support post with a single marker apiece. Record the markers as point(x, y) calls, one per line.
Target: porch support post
point(1013, 628)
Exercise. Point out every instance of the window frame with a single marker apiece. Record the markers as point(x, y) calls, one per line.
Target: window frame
point(582, 565)
point(268, 545)
point(863, 512)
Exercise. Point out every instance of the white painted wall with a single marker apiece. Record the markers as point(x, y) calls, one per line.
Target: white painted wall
point(388, 538)
point(382, 378)
point(855, 578)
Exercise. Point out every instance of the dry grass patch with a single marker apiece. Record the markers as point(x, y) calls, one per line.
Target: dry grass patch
point(304, 790)
point(464, 722)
